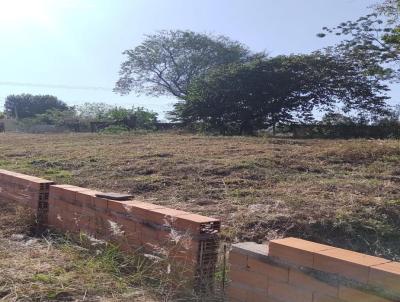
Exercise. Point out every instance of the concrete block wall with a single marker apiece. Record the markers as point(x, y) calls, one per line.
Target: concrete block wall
point(136, 225)
point(26, 190)
point(295, 270)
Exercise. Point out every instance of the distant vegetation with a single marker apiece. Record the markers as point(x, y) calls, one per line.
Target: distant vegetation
point(27, 105)
point(46, 113)
point(224, 87)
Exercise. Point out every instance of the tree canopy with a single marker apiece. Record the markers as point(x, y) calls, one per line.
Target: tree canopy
point(372, 40)
point(221, 85)
point(27, 105)
point(167, 62)
point(241, 98)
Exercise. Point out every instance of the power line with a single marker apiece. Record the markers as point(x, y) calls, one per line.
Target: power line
point(56, 86)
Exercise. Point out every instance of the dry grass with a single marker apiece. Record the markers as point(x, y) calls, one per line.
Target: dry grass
point(340, 192)
point(53, 268)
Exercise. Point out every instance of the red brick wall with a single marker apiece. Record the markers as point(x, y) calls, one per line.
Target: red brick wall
point(137, 225)
point(295, 270)
point(188, 239)
point(26, 190)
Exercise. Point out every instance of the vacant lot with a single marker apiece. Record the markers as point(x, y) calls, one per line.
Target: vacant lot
point(340, 192)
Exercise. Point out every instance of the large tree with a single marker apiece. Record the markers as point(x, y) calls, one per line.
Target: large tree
point(241, 98)
point(167, 62)
point(27, 105)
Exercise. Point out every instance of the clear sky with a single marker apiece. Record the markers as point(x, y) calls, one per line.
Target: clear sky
point(79, 43)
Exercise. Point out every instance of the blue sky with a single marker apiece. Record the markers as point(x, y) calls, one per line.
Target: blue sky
point(79, 42)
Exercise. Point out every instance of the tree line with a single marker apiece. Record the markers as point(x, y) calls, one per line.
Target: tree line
point(35, 110)
point(221, 85)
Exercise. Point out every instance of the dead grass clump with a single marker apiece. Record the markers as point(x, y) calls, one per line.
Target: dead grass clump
point(362, 151)
point(15, 219)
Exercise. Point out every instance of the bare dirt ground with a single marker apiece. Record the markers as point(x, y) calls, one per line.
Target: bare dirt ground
point(341, 192)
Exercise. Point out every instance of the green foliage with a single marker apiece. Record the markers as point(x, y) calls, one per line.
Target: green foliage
point(119, 113)
point(135, 118)
point(241, 98)
point(93, 111)
point(167, 62)
point(373, 41)
point(391, 119)
point(144, 119)
point(2, 115)
point(61, 119)
point(335, 118)
point(56, 117)
point(28, 106)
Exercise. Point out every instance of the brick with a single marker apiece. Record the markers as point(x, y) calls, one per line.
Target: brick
point(126, 224)
point(352, 295)
point(149, 235)
point(251, 279)
point(236, 294)
point(197, 224)
point(100, 204)
point(101, 226)
point(119, 206)
point(140, 210)
point(164, 216)
point(64, 192)
point(294, 250)
point(186, 258)
point(238, 259)
point(302, 280)
point(346, 263)
point(86, 197)
point(271, 271)
point(145, 205)
point(386, 275)
point(55, 192)
point(288, 293)
point(257, 295)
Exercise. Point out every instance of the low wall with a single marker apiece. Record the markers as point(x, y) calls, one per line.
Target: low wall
point(26, 190)
point(285, 270)
point(189, 239)
point(295, 270)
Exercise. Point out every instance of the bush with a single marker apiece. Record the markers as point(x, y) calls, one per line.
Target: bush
point(134, 118)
